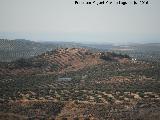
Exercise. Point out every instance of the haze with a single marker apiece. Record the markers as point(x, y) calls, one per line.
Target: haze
point(62, 20)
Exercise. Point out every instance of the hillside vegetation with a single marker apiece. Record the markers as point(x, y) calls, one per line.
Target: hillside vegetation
point(79, 84)
point(59, 61)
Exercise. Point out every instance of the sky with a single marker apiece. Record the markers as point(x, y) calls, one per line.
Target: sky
point(62, 20)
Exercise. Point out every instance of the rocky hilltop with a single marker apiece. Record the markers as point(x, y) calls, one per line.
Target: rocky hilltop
point(59, 61)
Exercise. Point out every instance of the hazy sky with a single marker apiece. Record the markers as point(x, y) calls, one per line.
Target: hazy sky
point(62, 20)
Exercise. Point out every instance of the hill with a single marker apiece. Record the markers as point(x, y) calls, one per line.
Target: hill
point(146, 52)
point(14, 49)
point(11, 50)
point(59, 61)
point(77, 83)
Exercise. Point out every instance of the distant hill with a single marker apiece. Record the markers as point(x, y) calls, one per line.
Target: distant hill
point(14, 49)
point(147, 52)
